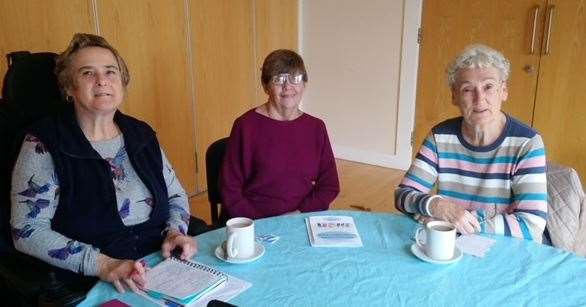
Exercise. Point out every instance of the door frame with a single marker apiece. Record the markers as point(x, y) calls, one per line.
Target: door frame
point(407, 94)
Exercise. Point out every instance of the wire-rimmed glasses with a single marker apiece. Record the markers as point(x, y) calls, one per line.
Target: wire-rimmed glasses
point(280, 79)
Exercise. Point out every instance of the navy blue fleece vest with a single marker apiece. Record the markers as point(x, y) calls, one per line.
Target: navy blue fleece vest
point(87, 209)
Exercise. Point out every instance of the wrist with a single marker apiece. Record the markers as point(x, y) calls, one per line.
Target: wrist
point(102, 262)
point(431, 205)
point(172, 233)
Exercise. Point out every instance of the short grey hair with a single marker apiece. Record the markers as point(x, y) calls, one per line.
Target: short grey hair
point(479, 56)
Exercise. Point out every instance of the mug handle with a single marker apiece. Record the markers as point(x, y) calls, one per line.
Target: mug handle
point(230, 248)
point(417, 240)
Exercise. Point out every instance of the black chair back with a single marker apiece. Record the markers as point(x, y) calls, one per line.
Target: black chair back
point(29, 93)
point(214, 158)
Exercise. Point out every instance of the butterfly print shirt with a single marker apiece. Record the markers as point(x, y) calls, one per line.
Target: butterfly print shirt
point(35, 197)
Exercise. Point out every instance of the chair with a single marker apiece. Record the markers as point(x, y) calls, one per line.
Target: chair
point(566, 221)
point(214, 158)
point(29, 93)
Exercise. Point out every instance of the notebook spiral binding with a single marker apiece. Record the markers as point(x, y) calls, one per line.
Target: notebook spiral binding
point(200, 266)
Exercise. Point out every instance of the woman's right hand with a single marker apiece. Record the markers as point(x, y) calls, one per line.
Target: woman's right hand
point(465, 222)
point(121, 273)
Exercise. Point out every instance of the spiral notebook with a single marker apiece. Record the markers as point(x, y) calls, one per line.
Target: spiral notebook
point(182, 281)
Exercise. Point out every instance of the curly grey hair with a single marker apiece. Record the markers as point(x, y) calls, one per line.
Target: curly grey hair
point(479, 56)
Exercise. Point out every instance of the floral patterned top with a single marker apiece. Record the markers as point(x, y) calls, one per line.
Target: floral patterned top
point(35, 197)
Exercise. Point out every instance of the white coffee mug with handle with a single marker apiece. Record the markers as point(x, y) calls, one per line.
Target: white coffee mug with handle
point(440, 240)
point(239, 238)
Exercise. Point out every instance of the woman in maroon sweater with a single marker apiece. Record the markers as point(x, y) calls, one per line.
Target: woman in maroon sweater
point(279, 159)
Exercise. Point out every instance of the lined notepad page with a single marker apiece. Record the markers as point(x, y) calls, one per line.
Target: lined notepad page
point(181, 278)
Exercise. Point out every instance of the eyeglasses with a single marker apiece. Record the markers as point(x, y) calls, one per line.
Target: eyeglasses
point(292, 79)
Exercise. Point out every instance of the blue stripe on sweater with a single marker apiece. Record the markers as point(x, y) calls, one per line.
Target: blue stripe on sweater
point(462, 157)
point(507, 228)
point(535, 153)
point(531, 196)
point(419, 180)
point(457, 171)
point(524, 229)
point(429, 145)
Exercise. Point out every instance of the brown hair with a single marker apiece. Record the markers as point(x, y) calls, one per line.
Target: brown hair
point(282, 61)
point(78, 42)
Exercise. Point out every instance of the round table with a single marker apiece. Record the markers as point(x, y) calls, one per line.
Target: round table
point(384, 272)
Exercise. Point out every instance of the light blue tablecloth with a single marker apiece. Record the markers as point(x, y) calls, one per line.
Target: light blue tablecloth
point(384, 272)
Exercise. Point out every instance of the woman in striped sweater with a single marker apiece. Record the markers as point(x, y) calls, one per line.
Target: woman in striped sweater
point(489, 168)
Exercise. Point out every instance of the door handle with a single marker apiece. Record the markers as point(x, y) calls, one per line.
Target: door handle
point(535, 14)
point(549, 22)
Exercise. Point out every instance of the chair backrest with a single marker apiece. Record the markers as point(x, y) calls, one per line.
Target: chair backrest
point(29, 93)
point(566, 209)
point(214, 158)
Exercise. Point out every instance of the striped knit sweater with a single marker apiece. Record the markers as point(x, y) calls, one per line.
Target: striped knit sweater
point(503, 184)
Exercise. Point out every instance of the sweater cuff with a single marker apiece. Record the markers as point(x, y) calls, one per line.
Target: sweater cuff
point(426, 210)
point(90, 262)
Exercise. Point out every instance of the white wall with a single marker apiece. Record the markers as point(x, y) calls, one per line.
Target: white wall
point(361, 58)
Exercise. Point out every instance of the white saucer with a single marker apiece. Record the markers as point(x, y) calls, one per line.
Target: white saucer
point(259, 250)
point(421, 255)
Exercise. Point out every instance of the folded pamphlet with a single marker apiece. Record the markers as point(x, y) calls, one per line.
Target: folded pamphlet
point(332, 231)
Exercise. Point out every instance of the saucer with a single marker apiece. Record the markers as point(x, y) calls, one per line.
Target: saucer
point(421, 255)
point(259, 250)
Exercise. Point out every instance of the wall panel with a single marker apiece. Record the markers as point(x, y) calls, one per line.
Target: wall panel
point(39, 25)
point(152, 37)
point(223, 53)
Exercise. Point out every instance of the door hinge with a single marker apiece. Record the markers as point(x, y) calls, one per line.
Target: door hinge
point(419, 36)
point(412, 138)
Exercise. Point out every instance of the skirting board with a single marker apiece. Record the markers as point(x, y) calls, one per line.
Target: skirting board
point(370, 157)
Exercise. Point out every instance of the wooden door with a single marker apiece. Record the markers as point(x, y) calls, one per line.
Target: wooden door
point(223, 53)
point(152, 37)
point(229, 42)
point(40, 25)
point(560, 107)
point(276, 25)
point(449, 26)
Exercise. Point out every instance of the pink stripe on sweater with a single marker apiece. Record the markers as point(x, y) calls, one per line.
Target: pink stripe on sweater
point(408, 182)
point(532, 162)
point(428, 153)
point(532, 205)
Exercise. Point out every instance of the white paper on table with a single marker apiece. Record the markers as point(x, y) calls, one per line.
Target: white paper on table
point(474, 245)
point(229, 290)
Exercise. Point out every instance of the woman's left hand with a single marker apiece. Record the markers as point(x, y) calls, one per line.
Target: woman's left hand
point(175, 239)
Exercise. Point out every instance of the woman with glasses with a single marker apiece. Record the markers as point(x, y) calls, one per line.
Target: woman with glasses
point(489, 167)
point(279, 159)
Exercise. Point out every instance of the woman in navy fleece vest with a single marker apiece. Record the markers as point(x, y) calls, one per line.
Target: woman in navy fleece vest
point(279, 159)
point(92, 191)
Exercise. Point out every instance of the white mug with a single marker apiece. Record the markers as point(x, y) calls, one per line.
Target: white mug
point(440, 240)
point(239, 238)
